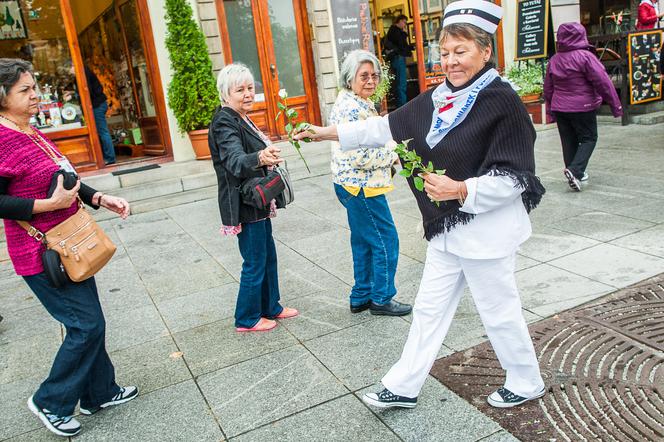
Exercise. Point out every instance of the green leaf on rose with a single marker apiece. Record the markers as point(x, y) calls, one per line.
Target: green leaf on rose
point(419, 183)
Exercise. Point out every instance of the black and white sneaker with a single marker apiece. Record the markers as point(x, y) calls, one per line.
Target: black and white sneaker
point(60, 425)
point(387, 399)
point(126, 394)
point(584, 178)
point(503, 398)
point(573, 181)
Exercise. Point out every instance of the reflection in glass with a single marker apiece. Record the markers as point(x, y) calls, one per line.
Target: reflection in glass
point(240, 22)
point(286, 49)
point(40, 38)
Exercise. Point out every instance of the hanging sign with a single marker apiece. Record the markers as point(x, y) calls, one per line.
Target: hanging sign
point(532, 28)
point(645, 80)
point(351, 21)
point(12, 26)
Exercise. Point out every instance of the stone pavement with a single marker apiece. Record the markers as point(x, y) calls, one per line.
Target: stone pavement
point(169, 297)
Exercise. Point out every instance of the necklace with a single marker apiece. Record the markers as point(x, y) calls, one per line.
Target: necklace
point(15, 123)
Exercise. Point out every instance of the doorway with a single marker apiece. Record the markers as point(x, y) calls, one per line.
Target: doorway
point(113, 40)
point(271, 37)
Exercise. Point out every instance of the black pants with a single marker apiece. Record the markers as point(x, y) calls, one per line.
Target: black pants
point(578, 134)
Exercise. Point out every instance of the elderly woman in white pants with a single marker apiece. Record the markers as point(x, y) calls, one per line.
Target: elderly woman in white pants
point(475, 127)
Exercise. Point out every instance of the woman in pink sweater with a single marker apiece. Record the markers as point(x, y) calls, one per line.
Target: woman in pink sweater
point(82, 369)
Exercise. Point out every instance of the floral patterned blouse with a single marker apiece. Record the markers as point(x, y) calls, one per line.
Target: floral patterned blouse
point(367, 167)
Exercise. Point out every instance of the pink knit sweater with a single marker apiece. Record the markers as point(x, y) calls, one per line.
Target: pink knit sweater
point(30, 171)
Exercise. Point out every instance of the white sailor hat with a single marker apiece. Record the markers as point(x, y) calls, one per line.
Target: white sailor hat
point(483, 14)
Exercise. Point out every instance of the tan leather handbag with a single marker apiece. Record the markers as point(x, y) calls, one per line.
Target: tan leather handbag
point(83, 246)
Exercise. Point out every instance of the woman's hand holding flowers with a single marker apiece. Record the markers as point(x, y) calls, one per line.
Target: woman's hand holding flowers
point(443, 188)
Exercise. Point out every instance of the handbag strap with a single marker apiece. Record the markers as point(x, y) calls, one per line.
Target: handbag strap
point(37, 234)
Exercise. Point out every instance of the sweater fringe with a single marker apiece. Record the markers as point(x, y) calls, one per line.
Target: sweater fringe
point(446, 223)
point(533, 190)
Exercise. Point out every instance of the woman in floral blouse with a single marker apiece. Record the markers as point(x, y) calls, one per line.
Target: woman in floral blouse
point(361, 179)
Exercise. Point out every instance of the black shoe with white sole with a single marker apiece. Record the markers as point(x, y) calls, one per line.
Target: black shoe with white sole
point(60, 425)
point(503, 398)
point(387, 399)
point(126, 394)
point(573, 181)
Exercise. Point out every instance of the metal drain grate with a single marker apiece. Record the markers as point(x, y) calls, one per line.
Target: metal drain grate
point(603, 365)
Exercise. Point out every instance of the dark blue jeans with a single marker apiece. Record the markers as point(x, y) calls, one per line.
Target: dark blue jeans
point(259, 284)
point(81, 369)
point(400, 78)
point(375, 245)
point(105, 139)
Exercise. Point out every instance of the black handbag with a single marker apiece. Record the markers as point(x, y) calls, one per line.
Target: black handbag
point(258, 192)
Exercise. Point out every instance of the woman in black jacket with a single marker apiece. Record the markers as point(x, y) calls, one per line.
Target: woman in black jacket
point(240, 151)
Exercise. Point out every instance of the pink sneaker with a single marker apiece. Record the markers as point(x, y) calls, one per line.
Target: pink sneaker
point(262, 325)
point(287, 312)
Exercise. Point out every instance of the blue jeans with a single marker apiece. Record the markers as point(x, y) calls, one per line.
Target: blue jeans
point(259, 284)
point(375, 245)
point(81, 369)
point(401, 85)
point(105, 139)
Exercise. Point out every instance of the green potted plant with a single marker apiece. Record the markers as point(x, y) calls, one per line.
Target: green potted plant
point(528, 77)
point(192, 93)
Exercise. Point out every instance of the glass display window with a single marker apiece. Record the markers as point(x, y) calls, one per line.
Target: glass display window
point(38, 35)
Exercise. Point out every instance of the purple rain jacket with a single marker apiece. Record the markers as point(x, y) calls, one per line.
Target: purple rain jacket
point(576, 80)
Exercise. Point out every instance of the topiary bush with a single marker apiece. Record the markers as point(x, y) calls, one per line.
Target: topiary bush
point(192, 94)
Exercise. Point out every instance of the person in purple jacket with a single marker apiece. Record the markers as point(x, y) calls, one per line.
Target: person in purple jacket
point(575, 85)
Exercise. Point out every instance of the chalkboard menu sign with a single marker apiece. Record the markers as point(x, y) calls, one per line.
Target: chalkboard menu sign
point(351, 21)
point(532, 29)
point(645, 80)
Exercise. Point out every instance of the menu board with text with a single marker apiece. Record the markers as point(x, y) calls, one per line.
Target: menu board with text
point(351, 21)
point(532, 28)
point(645, 80)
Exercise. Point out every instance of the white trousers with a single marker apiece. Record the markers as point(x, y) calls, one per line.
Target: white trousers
point(493, 286)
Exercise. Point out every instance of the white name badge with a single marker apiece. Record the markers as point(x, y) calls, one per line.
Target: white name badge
point(66, 165)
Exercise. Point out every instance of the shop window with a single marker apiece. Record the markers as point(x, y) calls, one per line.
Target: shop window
point(34, 30)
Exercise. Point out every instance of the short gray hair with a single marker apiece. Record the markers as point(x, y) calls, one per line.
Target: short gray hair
point(11, 70)
point(353, 62)
point(230, 76)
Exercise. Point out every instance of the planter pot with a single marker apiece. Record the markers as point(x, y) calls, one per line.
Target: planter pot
point(199, 141)
point(530, 98)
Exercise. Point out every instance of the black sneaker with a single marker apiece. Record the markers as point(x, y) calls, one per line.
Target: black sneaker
point(387, 399)
point(503, 398)
point(360, 308)
point(60, 425)
point(573, 181)
point(126, 394)
point(392, 308)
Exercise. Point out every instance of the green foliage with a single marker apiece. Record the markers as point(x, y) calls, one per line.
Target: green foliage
point(385, 82)
point(413, 167)
point(528, 76)
point(292, 127)
point(192, 93)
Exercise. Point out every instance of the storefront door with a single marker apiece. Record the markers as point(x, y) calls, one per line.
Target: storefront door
point(271, 37)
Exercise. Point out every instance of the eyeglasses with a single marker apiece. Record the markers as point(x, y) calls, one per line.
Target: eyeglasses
point(365, 78)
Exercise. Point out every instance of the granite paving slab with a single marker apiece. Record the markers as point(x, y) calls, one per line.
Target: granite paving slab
point(129, 327)
point(649, 241)
point(21, 324)
point(267, 388)
point(440, 415)
point(611, 265)
point(343, 419)
point(150, 366)
point(547, 244)
point(547, 290)
point(16, 417)
point(29, 357)
point(360, 355)
point(601, 226)
point(200, 308)
point(175, 413)
point(213, 346)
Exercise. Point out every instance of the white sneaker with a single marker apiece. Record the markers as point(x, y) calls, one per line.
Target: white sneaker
point(126, 394)
point(584, 178)
point(62, 426)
